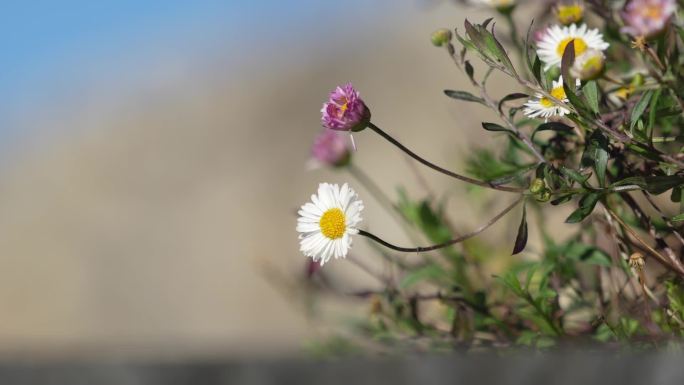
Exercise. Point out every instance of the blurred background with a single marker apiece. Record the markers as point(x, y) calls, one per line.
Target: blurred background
point(153, 155)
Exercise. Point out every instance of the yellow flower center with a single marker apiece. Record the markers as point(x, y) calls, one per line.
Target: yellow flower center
point(653, 12)
point(568, 14)
point(624, 92)
point(333, 223)
point(580, 45)
point(558, 93)
point(593, 65)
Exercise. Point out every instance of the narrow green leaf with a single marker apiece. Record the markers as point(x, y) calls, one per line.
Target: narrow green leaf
point(567, 61)
point(677, 218)
point(575, 175)
point(653, 184)
point(591, 92)
point(552, 126)
point(499, 51)
point(495, 127)
point(639, 108)
point(653, 107)
point(596, 155)
point(426, 273)
point(586, 206)
point(521, 238)
point(509, 97)
point(464, 95)
point(470, 70)
point(528, 60)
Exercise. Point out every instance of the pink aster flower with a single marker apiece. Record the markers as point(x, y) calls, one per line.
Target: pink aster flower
point(331, 148)
point(647, 18)
point(345, 111)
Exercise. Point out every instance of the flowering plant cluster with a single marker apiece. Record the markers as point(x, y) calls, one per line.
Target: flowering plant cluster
point(596, 124)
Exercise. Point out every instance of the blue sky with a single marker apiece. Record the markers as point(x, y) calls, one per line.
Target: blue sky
point(49, 44)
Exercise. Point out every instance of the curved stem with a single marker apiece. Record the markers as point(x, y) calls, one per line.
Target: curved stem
point(441, 169)
point(447, 243)
point(382, 198)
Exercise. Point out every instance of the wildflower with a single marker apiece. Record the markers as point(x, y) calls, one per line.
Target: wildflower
point(330, 148)
point(541, 106)
point(345, 110)
point(327, 222)
point(647, 18)
point(589, 65)
point(441, 37)
point(569, 13)
point(553, 43)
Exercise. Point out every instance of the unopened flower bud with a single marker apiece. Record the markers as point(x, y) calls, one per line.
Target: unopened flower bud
point(636, 261)
point(637, 80)
point(441, 37)
point(544, 196)
point(345, 110)
point(569, 13)
point(537, 186)
point(589, 65)
point(331, 148)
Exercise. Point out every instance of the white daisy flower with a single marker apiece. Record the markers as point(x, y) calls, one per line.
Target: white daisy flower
point(543, 107)
point(552, 44)
point(327, 222)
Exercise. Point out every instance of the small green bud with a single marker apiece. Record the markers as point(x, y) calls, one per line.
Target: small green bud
point(589, 65)
point(637, 80)
point(544, 196)
point(537, 186)
point(441, 37)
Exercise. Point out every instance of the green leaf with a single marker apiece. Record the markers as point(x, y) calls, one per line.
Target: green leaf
point(653, 184)
point(470, 70)
point(495, 128)
point(509, 97)
point(652, 114)
point(464, 95)
point(513, 176)
point(591, 92)
point(639, 109)
point(596, 155)
point(586, 206)
point(567, 61)
point(677, 218)
point(575, 175)
point(529, 62)
point(521, 238)
point(499, 52)
point(510, 280)
point(552, 126)
point(426, 273)
point(562, 199)
point(582, 252)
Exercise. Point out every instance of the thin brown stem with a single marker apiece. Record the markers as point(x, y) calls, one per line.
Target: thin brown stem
point(670, 225)
point(447, 243)
point(650, 250)
point(444, 171)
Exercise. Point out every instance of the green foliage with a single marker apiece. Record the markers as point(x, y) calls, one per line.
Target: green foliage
point(607, 274)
